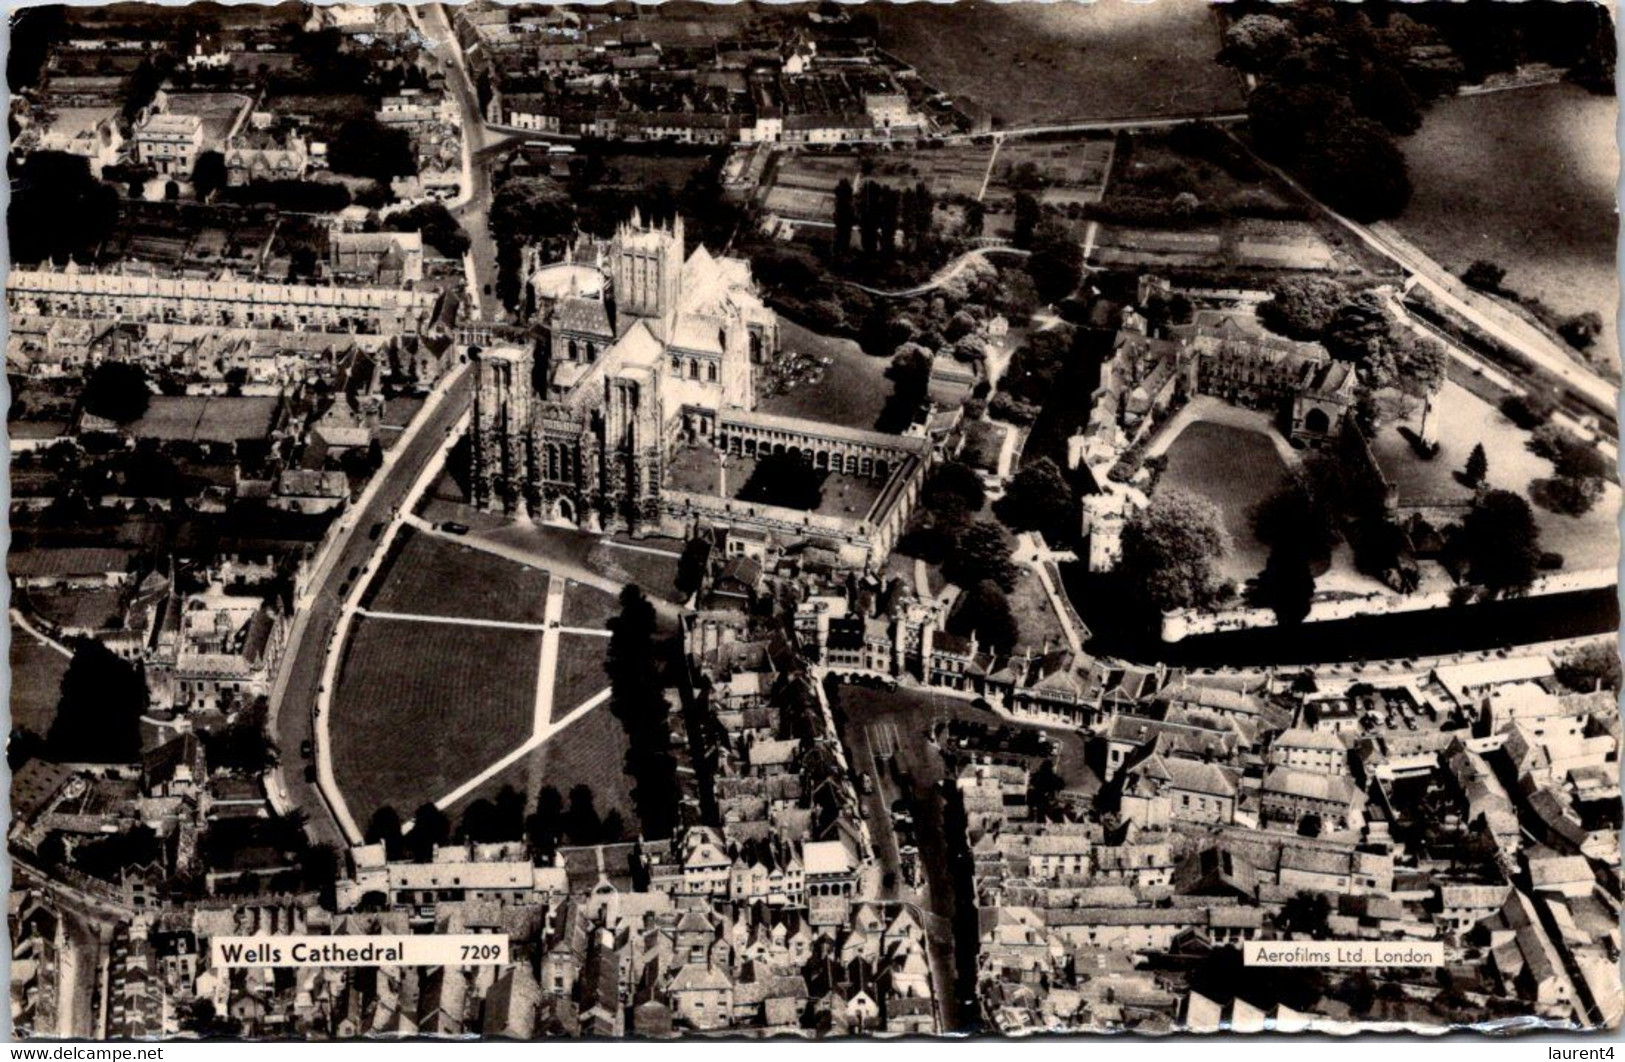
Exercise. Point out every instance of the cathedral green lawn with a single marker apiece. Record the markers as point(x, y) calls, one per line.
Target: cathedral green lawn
point(589, 607)
point(421, 708)
point(580, 672)
point(431, 576)
point(591, 751)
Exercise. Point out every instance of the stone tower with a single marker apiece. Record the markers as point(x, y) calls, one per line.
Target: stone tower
point(646, 267)
point(632, 453)
point(502, 428)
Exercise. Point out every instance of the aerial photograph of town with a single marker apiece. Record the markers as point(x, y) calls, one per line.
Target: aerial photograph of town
point(813, 520)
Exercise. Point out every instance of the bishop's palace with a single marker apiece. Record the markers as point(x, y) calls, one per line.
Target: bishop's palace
point(649, 357)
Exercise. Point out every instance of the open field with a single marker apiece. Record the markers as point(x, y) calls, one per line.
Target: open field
point(850, 391)
point(1589, 541)
point(655, 574)
point(580, 672)
point(422, 707)
point(591, 751)
point(588, 606)
point(36, 682)
point(427, 575)
point(1525, 179)
point(1235, 468)
point(1035, 616)
point(802, 186)
point(1047, 63)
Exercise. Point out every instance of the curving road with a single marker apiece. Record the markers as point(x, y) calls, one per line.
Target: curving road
point(480, 142)
point(943, 275)
point(316, 614)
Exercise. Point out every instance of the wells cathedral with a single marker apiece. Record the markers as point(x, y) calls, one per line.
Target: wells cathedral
point(647, 352)
point(644, 350)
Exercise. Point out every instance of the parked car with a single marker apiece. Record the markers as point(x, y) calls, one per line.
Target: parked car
point(305, 748)
point(451, 527)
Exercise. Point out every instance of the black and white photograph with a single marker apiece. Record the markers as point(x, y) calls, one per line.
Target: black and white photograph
point(830, 521)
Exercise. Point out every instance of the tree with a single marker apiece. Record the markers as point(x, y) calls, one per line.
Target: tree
point(953, 483)
point(1306, 915)
point(1363, 332)
point(869, 210)
point(1172, 547)
point(1592, 667)
point(1282, 116)
point(479, 823)
point(975, 218)
point(24, 745)
point(208, 173)
point(430, 829)
point(545, 826)
point(844, 216)
point(786, 480)
point(1568, 495)
point(1302, 307)
point(1357, 169)
point(98, 717)
point(1044, 788)
point(1484, 275)
point(581, 823)
point(1386, 98)
point(985, 612)
point(1310, 825)
point(1305, 509)
point(910, 374)
point(117, 391)
point(365, 147)
point(1287, 583)
point(33, 30)
point(1039, 498)
point(1418, 365)
point(1477, 467)
point(1027, 215)
point(435, 223)
point(385, 828)
point(1581, 330)
point(1577, 460)
point(1499, 543)
point(1529, 411)
point(980, 552)
point(58, 210)
point(243, 747)
point(1056, 261)
point(1255, 43)
point(614, 827)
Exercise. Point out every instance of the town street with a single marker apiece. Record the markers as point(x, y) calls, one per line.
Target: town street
point(317, 614)
point(472, 207)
